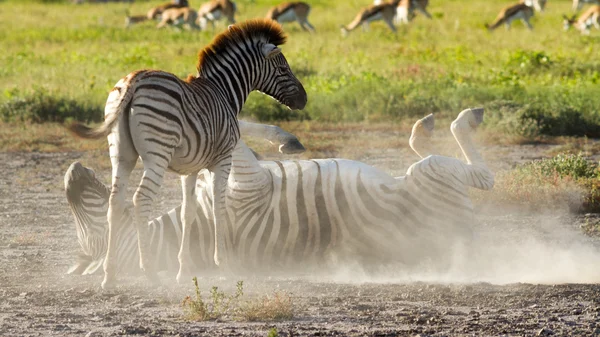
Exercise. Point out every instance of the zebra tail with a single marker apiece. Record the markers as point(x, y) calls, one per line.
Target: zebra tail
point(114, 109)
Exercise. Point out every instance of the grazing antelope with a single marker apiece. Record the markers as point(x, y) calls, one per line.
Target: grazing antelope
point(214, 10)
point(183, 16)
point(590, 18)
point(508, 14)
point(385, 11)
point(292, 11)
point(132, 20)
point(406, 10)
point(577, 4)
point(156, 12)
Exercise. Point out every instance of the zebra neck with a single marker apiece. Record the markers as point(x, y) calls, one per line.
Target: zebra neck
point(231, 82)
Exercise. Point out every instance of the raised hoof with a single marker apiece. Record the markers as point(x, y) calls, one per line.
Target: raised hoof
point(477, 117)
point(428, 122)
point(184, 277)
point(108, 283)
point(292, 147)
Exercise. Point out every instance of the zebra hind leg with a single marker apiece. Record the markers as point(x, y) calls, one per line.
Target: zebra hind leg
point(476, 173)
point(143, 199)
point(116, 209)
point(188, 212)
point(220, 175)
point(420, 138)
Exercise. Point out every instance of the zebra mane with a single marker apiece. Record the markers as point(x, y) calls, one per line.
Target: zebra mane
point(265, 30)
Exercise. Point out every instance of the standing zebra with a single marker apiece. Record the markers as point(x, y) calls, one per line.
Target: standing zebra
point(294, 213)
point(186, 126)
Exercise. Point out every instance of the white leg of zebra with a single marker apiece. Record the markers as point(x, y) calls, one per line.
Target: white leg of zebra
point(188, 213)
point(220, 175)
point(476, 173)
point(288, 143)
point(421, 133)
point(121, 170)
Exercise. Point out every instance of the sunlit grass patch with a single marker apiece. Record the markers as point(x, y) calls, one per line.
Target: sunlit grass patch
point(565, 181)
point(77, 53)
point(275, 307)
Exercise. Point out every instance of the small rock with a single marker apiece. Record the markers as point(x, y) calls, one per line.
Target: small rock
point(544, 332)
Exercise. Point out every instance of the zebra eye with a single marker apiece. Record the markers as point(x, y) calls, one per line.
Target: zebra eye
point(281, 69)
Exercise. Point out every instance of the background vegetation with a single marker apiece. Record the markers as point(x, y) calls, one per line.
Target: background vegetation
point(59, 61)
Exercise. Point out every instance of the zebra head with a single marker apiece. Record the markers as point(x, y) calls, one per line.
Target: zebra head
point(246, 57)
point(279, 81)
point(88, 200)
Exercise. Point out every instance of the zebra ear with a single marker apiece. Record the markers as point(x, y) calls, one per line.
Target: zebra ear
point(269, 50)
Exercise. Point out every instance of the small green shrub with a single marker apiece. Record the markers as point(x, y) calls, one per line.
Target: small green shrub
point(535, 120)
point(39, 106)
point(199, 310)
point(567, 165)
point(277, 307)
point(565, 180)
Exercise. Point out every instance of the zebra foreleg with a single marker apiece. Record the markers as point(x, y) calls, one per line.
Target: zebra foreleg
point(188, 212)
point(220, 175)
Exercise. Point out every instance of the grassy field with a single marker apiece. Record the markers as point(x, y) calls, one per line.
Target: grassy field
point(59, 60)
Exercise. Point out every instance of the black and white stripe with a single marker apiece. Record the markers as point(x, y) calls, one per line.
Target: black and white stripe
point(187, 126)
point(307, 212)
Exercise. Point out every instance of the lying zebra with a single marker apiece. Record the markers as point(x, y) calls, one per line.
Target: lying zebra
point(301, 213)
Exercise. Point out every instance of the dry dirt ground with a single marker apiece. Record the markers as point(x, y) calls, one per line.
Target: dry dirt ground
point(540, 275)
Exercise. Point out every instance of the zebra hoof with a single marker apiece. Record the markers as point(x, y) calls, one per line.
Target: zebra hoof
point(183, 277)
point(477, 117)
point(428, 122)
point(108, 283)
point(153, 279)
point(292, 147)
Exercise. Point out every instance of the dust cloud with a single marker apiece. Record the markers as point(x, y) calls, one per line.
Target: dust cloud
point(538, 249)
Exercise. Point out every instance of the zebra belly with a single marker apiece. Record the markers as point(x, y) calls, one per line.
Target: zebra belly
point(287, 16)
point(320, 210)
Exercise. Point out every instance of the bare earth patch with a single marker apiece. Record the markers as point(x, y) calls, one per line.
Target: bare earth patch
point(537, 274)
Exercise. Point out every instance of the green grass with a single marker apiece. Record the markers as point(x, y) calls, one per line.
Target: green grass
point(565, 181)
point(536, 83)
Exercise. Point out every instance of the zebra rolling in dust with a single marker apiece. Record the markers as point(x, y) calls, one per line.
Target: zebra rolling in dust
point(187, 126)
point(286, 214)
